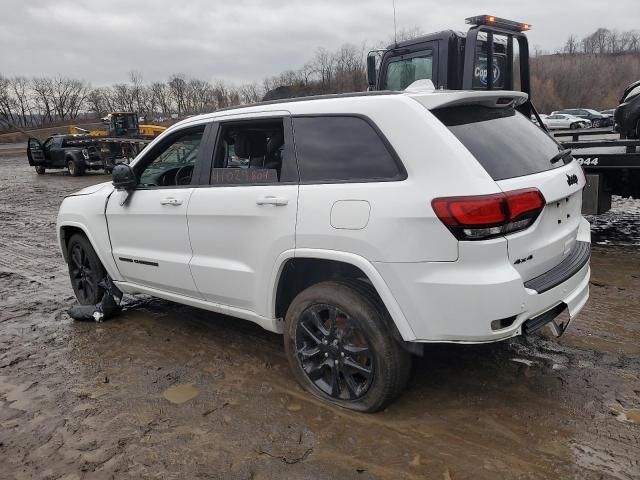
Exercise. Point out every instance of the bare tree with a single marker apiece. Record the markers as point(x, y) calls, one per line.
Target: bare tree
point(161, 94)
point(249, 93)
point(7, 103)
point(20, 90)
point(572, 45)
point(178, 88)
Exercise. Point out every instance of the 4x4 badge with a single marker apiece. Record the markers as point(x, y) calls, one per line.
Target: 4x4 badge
point(572, 179)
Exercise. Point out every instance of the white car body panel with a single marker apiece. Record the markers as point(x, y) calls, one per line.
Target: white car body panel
point(564, 121)
point(236, 242)
point(150, 239)
point(219, 250)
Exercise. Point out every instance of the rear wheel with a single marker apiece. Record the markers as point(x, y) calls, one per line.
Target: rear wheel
point(340, 347)
point(85, 270)
point(75, 168)
point(40, 169)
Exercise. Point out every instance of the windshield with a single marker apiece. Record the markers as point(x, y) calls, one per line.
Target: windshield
point(505, 143)
point(402, 73)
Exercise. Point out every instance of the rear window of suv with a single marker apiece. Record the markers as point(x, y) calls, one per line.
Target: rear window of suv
point(503, 140)
point(343, 149)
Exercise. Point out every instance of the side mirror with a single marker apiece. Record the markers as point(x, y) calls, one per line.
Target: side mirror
point(371, 71)
point(124, 178)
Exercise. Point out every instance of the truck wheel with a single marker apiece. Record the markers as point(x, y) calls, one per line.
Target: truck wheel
point(75, 168)
point(340, 347)
point(85, 270)
point(40, 169)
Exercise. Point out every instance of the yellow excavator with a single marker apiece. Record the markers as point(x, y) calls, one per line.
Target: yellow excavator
point(121, 124)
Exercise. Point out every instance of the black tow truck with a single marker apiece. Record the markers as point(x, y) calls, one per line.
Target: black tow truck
point(460, 61)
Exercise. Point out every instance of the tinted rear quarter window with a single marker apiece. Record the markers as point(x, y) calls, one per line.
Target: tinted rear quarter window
point(343, 149)
point(503, 141)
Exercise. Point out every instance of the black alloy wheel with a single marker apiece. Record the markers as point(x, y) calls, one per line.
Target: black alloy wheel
point(85, 270)
point(334, 355)
point(343, 347)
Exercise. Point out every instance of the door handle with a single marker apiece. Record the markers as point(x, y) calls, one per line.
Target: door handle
point(271, 200)
point(171, 201)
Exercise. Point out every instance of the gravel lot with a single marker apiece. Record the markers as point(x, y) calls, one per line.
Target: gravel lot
point(167, 391)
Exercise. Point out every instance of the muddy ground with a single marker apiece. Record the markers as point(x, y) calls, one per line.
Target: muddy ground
point(89, 400)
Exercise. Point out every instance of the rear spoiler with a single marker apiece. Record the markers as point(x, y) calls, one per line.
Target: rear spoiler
point(452, 98)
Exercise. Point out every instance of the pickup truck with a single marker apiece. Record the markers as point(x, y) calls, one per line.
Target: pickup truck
point(61, 151)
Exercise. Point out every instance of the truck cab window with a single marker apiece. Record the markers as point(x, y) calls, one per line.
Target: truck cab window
point(403, 72)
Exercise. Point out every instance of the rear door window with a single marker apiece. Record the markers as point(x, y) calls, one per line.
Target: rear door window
point(505, 143)
point(343, 149)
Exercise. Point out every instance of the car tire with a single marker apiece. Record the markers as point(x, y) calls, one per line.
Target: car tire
point(595, 123)
point(85, 270)
point(40, 169)
point(574, 126)
point(76, 169)
point(340, 346)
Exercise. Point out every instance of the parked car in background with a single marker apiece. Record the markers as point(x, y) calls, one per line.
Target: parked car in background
point(563, 120)
point(370, 245)
point(627, 115)
point(608, 113)
point(596, 118)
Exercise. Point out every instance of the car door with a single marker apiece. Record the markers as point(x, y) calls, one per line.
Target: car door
point(553, 121)
point(246, 218)
point(55, 152)
point(148, 226)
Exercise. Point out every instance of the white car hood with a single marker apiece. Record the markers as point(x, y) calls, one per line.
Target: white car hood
point(92, 189)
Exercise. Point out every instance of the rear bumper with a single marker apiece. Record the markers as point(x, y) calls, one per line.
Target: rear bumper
point(458, 301)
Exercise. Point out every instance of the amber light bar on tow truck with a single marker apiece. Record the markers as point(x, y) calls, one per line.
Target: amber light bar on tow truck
point(502, 23)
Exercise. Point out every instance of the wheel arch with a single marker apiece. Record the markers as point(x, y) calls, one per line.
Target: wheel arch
point(301, 268)
point(66, 230)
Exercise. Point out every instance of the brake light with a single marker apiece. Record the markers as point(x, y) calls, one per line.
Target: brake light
point(481, 217)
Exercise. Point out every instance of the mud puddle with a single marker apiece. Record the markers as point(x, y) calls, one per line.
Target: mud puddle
point(87, 400)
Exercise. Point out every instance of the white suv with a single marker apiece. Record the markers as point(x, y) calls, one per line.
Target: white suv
point(359, 226)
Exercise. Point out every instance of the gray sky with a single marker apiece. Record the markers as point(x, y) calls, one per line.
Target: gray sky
point(246, 40)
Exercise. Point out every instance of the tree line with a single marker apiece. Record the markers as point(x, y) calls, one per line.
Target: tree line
point(587, 72)
point(604, 41)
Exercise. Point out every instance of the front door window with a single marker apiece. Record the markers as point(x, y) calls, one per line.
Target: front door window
point(173, 165)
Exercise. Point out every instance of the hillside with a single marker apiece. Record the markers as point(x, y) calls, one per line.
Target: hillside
point(581, 80)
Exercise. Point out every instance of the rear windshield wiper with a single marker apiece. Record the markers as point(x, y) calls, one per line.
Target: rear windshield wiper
point(560, 155)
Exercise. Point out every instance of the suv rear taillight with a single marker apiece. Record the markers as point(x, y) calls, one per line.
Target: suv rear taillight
point(480, 217)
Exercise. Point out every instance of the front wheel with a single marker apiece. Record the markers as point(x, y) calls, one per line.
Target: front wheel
point(596, 123)
point(85, 270)
point(340, 347)
point(574, 126)
point(40, 169)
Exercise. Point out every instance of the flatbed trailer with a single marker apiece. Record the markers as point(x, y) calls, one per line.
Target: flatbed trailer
point(611, 165)
point(113, 149)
